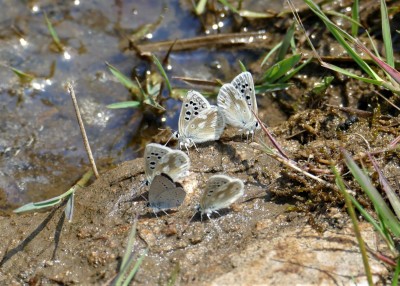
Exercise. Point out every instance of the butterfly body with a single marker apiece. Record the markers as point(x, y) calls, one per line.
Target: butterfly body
point(220, 192)
point(237, 101)
point(198, 121)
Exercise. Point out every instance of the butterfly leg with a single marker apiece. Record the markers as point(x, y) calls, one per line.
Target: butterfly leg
point(155, 213)
point(195, 147)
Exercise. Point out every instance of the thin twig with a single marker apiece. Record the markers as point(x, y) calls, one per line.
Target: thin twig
point(82, 127)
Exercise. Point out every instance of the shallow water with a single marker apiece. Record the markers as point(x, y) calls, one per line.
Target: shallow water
point(41, 151)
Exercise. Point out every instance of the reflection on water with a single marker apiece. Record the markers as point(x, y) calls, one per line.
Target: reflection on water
point(41, 151)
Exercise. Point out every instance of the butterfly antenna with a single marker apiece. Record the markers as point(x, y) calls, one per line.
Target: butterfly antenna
point(169, 139)
point(187, 224)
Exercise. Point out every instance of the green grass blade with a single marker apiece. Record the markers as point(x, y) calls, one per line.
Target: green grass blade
point(135, 269)
point(321, 87)
point(340, 36)
point(53, 33)
point(280, 68)
point(124, 104)
point(393, 198)
point(269, 87)
point(174, 275)
point(350, 74)
point(384, 66)
point(395, 279)
point(23, 76)
point(148, 99)
point(124, 80)
point(124, 277)
point(230, 6)
point(200, 7)
point(295, 71)
point(387, 37)
point(286, 43)
point(353, 216)
point(355, 14)
point(53, 201)
point(380, 206)
point(162, 71)
point(343, 16)
point(69, 208)
point(269, 54)
point(36, 206)
point(375, 224)
point(129, 245)
point(242, 66)
point(255, 15)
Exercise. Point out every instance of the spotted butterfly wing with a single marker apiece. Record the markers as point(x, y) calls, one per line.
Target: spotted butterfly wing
point(220, 192)
point(199, 121)
point(244, 85)
point(161, 159)
point(237, 100)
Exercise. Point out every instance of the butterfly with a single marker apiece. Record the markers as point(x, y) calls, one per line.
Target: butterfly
point(237, 100)
point(161, 159)
point(164, 193)
point(220, 192)
point(198, 121)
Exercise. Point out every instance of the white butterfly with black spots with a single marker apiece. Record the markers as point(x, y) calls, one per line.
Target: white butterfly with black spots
point(198, 121)
point(237, 100)
point(161, 159)
point(220, 192)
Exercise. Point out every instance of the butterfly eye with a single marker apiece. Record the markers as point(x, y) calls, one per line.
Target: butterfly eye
point(257, 124)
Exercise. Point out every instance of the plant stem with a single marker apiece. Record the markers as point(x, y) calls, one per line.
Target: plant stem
point(82, 127)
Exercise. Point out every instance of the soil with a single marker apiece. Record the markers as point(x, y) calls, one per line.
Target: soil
point(287, 229)
point(42, 248)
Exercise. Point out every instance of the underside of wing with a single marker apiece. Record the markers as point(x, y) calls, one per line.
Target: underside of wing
point(169, 199)
point(222, 197)
point(193, 104)
point(175, 164)
point(207, 126)
point(152, 156)
point(244, 84)
point(235, 108)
